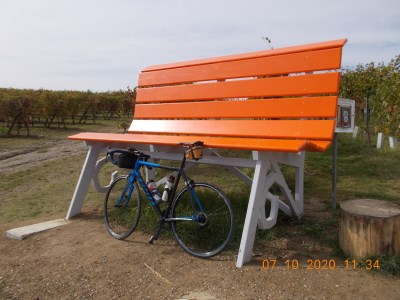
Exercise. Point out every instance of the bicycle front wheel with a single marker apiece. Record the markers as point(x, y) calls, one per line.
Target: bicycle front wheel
point(204, 221)
point(122, 208)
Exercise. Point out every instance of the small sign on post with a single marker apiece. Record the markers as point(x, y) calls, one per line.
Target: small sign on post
point(345, 115)
point(344, 123)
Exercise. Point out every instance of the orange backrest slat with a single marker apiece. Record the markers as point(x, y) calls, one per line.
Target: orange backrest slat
point(326, 59)
point(281, 95)
point(303, 107)
point(280, 51)
point(327, 83)
point(294, 129)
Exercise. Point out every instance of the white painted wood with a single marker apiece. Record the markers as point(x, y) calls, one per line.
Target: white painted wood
point(268, 161)
point(95, 179)
point(150, 172)
point(284, 207)
point(355, 131)
point(84, 181)
point(263, 221)
point(393, 141)
point(253, 207)
point(176, 154)
point(291, 159)
point(213, 160)
point(379, 142)
point(280, 180)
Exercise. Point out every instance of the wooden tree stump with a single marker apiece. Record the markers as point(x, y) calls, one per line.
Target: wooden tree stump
point(369, 228)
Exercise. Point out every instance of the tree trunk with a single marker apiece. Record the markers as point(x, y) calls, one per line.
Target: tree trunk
point(369, 228)
point(13, 122)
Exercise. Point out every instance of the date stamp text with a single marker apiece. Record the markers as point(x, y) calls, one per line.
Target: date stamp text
point(320, 264)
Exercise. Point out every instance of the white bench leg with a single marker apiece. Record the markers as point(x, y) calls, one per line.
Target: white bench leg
point(95, 179)
point(83, 182)
point(253, 209)
point(263, 221)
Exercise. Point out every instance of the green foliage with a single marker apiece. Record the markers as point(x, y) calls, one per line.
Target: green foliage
point(381, 83)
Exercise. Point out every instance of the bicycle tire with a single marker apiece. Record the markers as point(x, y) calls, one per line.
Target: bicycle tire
point(122, 220)
point(209, 236)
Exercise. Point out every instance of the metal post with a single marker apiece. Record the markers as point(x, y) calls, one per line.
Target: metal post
point(334, 171)
point(367, 116)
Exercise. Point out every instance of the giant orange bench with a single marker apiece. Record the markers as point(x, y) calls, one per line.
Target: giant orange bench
point(277, 103)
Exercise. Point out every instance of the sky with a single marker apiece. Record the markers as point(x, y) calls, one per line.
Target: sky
point(101, 45)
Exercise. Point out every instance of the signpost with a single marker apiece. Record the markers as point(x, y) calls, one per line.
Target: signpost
point(344, 123)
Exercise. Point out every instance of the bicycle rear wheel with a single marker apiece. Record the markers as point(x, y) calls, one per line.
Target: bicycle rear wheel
point(206, 224)
point(122, 208)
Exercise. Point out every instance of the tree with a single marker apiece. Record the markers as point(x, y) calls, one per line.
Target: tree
point(381, 83)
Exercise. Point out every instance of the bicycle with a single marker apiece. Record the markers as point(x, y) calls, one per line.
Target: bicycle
point(200, 215)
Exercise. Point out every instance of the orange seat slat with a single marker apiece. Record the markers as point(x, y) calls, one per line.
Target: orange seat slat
point(209, 142)
point(297, 129)
point(317, 145)
point(316, 107)
point(327, 83)
point(260, 66)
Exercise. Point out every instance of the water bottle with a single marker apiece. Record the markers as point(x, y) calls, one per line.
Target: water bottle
point(153, 190)
point(168, 186)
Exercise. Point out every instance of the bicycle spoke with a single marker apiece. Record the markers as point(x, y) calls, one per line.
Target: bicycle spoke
point(221, 208)
point(214, 226)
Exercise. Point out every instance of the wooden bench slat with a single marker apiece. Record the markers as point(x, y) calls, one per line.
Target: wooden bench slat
point(301, 48)
point(327, 59)
point(209, 142)
point(306, 107)
point(297, 129)
point(319, 146)
point(327, 83)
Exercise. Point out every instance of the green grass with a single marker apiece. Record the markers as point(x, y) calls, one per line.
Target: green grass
point(36, 192)
point(363, 172)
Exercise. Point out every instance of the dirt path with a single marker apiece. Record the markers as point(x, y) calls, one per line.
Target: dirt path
point(29, 156)
point(81, 261)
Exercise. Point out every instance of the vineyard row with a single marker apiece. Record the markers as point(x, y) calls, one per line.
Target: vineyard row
point(30, 108)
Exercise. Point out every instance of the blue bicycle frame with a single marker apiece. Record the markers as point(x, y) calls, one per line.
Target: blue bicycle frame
point(136, 176)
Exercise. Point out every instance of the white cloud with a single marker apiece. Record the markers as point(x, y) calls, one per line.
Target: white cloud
point(102, 45)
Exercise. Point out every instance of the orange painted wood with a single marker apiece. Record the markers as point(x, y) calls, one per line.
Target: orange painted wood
point(319, 146)
point(327, 83)
point(295, 129)
point(301, 48)
point(305, 107)
point(173, 97)
point(209, 142)
point(326, 59)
